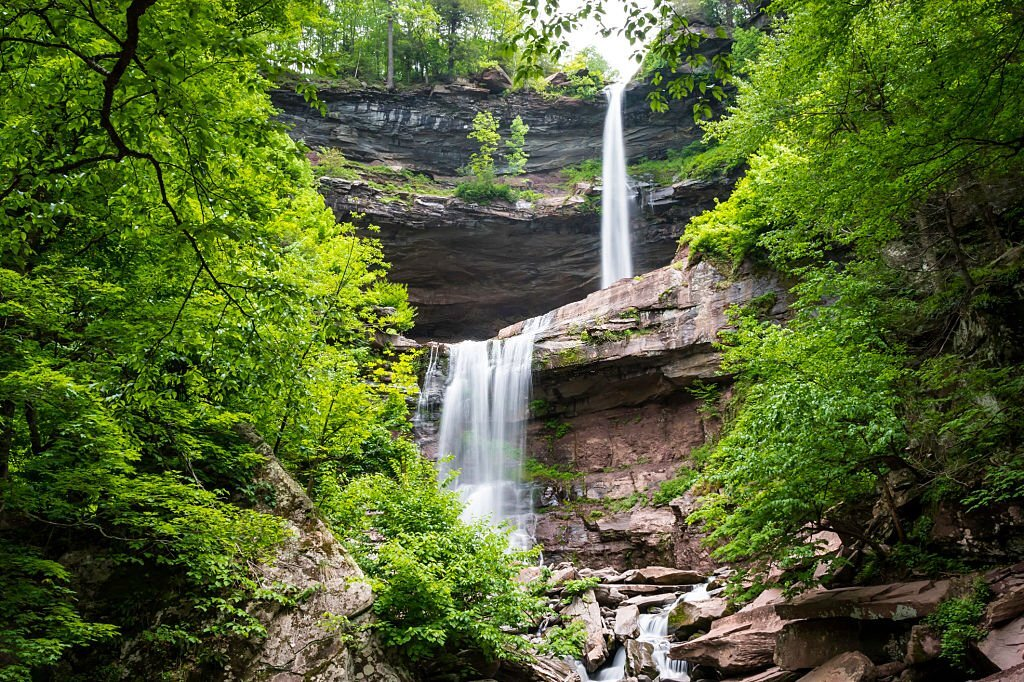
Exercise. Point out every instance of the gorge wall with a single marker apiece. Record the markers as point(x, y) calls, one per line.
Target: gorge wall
point(472, 269)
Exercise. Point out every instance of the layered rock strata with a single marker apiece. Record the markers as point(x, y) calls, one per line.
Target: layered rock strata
point(426, 129)
point(615, 413)
point(472, 269)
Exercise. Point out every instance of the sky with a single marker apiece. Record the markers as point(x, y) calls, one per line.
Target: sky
point(615, 48)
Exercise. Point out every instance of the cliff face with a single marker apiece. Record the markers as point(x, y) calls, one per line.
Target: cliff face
point(472, 269)
point(426, 129)
point(614, 373)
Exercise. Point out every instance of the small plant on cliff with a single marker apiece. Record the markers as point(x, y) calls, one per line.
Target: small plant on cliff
point(485, 132)
point(516, 143)
point(483, 187)
point(576, 588)
point(958, 619)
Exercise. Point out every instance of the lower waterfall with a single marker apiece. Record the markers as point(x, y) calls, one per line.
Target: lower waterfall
point(482, 427)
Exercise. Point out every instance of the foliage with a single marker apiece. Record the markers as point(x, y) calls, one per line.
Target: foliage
point(873, 147)
point(697, 160)
point(485, 191)
point(538, 471)
point(564, 641)
point(38, 618)
point(958, 621)
point(575, 588)
point(168, 270)
point(672, 488)
point(433, 39)
point(442, 585)
point(670, 42)
point(483, 188)
point(485, 132)
point(516, 155)
point(395, 184)
point(586, 171)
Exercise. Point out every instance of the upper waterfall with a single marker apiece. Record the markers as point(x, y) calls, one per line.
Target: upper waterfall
point(616, 258)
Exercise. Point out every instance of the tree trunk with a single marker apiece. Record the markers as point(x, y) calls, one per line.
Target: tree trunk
point(391, 48)
point(6, 437)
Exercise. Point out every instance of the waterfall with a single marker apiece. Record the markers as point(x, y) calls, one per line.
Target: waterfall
point(482, 427)
point(616, 260)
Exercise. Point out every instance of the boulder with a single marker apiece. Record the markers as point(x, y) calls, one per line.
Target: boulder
point(561, 574)
point(585, 608)
point(924, 645)
point(666, 576)
point(626, 618)
point(647, 601)
point(494, 79)
point(894, 601)
point(608, 596)
point(809, 643)
point(686, 618)
point(731, 651)
point(1004, 645)
point(528, 574)
point(537, 668)
point(1007, 585)
point(640, 659)
point(848, 666)
point(769, 676)
point(1015, 673)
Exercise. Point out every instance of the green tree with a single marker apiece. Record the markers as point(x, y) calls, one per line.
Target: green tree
point(167, 269)
point(516, 155)
point(485, 132)
point(880, 138)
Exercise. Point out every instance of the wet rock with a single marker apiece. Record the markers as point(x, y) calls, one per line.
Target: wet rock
point(848, 666)
point(626, 621)
point(666, 576)
point(588, 611)
point(640, 659)
point(924, 645)
point(1004, 645)
point(644, 602)
point(895, 601)
point(737, 650)
point(686, 618)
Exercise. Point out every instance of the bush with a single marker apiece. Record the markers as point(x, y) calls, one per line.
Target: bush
point(485, 190)
point(443, 586)
point(564, 641)
point(957, 620)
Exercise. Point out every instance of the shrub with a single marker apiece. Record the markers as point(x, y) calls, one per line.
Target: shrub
point(442, 585)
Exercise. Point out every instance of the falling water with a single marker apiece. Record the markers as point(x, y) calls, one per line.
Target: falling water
point(616, 261)
point(482, 420)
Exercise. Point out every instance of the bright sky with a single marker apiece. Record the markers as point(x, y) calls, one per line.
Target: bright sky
point(615, 48)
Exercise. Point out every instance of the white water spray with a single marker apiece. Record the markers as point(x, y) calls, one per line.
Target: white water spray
point(482, 426)
point(616, 259)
